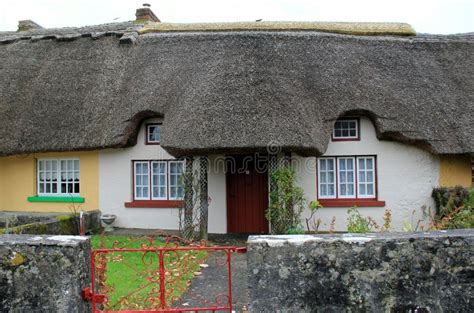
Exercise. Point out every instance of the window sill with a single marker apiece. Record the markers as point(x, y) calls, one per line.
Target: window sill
point(351, 202)
point(154, 204)
point(56, 199)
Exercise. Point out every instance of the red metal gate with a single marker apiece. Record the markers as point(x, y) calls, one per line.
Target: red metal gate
point(159, 276)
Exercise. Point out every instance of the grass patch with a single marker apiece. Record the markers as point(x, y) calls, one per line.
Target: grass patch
point(132, 278)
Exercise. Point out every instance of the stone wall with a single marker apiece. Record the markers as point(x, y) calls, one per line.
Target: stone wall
point(47, 223)
point(394, 272)
point(43, 273)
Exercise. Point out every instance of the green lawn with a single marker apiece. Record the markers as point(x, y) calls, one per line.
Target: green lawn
point(132, 279)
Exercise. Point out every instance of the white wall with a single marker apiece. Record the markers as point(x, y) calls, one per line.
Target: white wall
point(406, 177)
point(116, 187)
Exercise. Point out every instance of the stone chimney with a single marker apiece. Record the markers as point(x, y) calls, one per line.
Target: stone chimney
point(26, 25)
point(145, 14)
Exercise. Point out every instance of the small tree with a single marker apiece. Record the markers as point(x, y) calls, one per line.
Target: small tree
point(286, 201)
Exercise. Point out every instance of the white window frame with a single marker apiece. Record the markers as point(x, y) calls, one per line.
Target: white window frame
point(150, 179)
point(338, 180)
point(166, 180)
point(327, 184)
point(58, 192)
point(135, 186)
point(356, 171)
point(334, 137)
point(148, 132)
point(169, 180)
point(374, 176)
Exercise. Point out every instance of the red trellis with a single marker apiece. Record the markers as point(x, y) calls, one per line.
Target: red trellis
point(170, 259)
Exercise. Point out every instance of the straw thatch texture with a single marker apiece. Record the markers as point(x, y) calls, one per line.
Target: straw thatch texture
point(228, 92)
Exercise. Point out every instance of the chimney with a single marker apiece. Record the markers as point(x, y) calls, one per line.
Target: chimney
point(145, 14)
point(26, 25)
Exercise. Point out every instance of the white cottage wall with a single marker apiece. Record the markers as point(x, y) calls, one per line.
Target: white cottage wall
point(406, 176)
point(116, 188)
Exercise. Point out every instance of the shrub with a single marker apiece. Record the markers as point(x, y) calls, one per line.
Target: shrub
point(454, 208)
point(356, 223)
point(286, 201)
point(311, 224)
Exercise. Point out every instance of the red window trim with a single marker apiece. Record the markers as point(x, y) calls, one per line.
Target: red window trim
point(147, 142)
point(347, 139)
point(154, 204)
point(356, 201)
point(351, 202)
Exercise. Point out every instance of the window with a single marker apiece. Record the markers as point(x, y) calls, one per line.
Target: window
point(366, 184)
point(153, 133)
point(327, 180)
point(346, 129)
point(347, 177)
point(158, 180)
point(58, 177)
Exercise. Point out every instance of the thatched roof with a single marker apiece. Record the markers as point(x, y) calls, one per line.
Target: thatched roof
point(231, 91)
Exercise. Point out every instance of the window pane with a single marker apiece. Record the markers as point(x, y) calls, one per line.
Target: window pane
point(370, 189)
point(331, 191)
point(350, 189)
point(343, 190)
point(369, 164)
point(342, 177)
point(330, 177)
point(330, 164)
point(350, 177)
point(323, 177)
point(154, 133)
point(361, 164)
point(323, 190)
point(370, 176)
point(342, 164)
point(362, 189)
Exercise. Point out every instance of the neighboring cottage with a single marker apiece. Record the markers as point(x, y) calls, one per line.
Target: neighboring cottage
point(106, 117)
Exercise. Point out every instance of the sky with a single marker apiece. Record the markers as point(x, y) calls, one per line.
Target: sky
point(426, 16)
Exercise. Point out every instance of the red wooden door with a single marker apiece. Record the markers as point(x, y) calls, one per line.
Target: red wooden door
point(247, 196)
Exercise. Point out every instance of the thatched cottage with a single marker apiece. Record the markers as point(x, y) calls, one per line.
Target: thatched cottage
point(109, 117)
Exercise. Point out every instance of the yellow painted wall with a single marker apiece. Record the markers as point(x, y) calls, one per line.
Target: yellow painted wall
point(18, 182)
point(455, 170)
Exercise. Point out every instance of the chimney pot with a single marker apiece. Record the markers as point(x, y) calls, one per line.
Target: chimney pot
point(145, 14)
point(26, 25)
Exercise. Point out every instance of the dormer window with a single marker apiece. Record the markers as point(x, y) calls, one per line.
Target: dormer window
point(153, 134)
point(346, 129)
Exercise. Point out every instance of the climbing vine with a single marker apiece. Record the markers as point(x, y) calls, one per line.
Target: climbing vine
point(286, 201)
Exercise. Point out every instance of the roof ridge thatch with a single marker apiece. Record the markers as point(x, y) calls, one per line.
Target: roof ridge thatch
point(349, 28)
